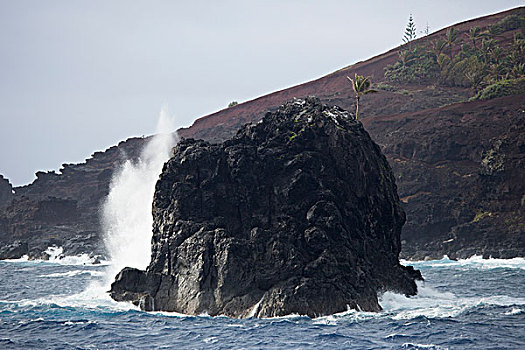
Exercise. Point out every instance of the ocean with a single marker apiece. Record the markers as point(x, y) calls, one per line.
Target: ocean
point(63, 304)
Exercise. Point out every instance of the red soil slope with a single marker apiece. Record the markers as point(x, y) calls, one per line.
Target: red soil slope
point(459, 165)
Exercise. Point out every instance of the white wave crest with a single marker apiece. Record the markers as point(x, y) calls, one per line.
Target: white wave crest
point(514, 311)
point(24, 258)
point(74, 273)
point(56, 256)
point(94, 298)
point(422, 346)
point(432, 303)
point(476, 261)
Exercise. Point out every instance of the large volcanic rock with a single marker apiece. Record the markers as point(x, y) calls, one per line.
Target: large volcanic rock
point(296, 214)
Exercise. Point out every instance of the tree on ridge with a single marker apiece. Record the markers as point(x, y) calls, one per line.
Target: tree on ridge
point(410, 31)
point(361, 86)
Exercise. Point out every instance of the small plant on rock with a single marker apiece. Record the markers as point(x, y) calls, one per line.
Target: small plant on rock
point(361, 86)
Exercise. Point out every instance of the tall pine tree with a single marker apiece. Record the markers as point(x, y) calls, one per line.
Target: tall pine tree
point(410, 31)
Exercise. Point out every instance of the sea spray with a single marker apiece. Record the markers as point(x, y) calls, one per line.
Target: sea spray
point(127, 218)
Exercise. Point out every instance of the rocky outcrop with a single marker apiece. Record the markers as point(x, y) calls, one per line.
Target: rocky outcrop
point(61, 209)
point(458, 165)
point(461, 189)
point(296, 214)
point(6, 192)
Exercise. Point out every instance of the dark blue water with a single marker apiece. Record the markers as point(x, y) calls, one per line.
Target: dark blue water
point(470, 304)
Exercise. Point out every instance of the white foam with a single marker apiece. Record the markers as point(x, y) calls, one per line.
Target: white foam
point(476, 261)
point(211, 340)
point(432, 303)
point(514, 311)
point(255, 308)
point(422, 346)
point(169, 314)
point(72, 323)
point(93, 298)
point(74, 273)
point(24, 258)
point(56, 256)
point(347, 316)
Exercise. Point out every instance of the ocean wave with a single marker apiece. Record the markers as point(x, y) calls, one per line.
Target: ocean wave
point(352, 316)
point(56, 256)
point(475, 261)
point(422, 346)
point(431, 303)
point(24, 258)
point(514, 311)
point(74, 273)
point(95, 297)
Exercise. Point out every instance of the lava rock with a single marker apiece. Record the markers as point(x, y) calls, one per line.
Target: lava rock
point(14, 251)
point(297, 214)
point(62, 209)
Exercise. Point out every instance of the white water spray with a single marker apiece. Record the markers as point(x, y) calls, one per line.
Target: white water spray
point(127, 218)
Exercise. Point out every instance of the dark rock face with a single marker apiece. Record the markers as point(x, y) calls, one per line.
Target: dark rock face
point(460, 172)
point(6, 192)
point(458, 165)
point(61, 209)
point(296, 214)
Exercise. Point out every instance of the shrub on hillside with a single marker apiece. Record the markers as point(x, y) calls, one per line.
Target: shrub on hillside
point(502, 88)
point(414, 66)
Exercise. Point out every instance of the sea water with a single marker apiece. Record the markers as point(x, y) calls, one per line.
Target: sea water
point(63, 303)
point(464, 304)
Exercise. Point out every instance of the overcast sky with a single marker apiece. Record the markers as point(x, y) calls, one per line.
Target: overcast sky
point(80, 76)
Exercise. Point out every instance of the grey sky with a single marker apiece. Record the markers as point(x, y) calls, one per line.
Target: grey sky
point(79, 76)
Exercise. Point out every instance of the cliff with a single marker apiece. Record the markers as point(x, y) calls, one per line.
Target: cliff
point(457, 163)
point(296, 214)
point(62, 208)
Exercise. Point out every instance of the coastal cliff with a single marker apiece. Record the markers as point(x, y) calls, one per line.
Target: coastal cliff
point(296, 214)
point(458, 164)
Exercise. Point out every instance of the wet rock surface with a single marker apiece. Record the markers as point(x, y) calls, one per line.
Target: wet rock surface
point(296, 214)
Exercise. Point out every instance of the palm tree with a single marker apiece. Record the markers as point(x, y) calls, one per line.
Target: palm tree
point(405, 57)
point(473, 34)
point(452, 35)
point(361, 86)
point(438, 46)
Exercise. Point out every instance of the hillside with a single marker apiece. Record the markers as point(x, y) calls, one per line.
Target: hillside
point(459, 164)
point(441, 146)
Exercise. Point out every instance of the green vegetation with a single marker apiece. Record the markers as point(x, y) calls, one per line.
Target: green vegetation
point(233, 103)
point(472, 59)
point(510, 22)
point(361, 86)
point(294, 134)
point(414, 65)
point(410, 31)
point(480, 215)
point(502, 88)
point(387, 87)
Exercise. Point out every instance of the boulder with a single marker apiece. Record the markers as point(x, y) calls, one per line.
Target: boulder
point(297, 214)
